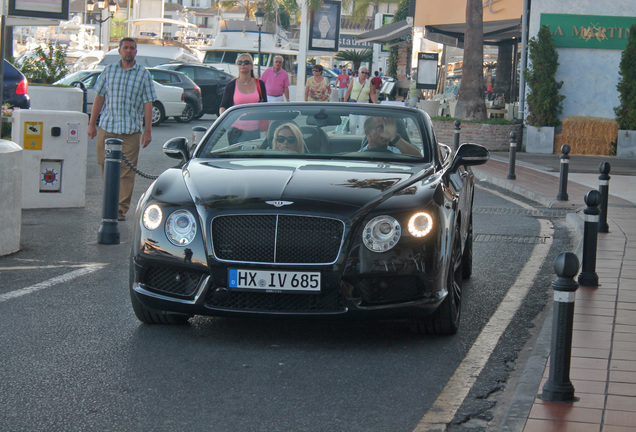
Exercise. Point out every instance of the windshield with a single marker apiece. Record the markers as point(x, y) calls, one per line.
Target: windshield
point(334, 130)
point(70, 79)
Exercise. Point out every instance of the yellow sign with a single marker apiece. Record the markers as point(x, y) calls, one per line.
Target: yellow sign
point(32, 139)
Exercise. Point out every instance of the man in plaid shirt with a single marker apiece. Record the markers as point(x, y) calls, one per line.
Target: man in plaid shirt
point(125, 91)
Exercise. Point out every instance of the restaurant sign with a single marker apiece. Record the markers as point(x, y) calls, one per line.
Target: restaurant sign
point(589, 31)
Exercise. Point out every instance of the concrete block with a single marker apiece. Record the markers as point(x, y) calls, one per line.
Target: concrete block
point(10, 196)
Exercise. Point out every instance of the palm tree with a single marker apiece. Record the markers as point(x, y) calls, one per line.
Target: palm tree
point(249, 7)
point(361, 8)
point(355, 57)
point(470, 99)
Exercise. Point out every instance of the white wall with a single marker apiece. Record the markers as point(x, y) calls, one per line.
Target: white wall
point(589, 76)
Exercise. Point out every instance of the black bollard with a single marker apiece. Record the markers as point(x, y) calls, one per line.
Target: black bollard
point(197, 135)
point(109, 229)
point(558, 387)
point(513, 156)
point(457, 129)
point(588, 276)
point(603, 188)
point(563, 177)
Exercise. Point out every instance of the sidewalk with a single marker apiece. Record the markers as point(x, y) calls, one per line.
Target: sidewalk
point(603, 370)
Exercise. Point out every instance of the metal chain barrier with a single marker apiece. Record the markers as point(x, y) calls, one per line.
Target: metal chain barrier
point(137, 170)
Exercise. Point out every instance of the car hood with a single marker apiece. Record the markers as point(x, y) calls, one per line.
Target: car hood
point(311, 185)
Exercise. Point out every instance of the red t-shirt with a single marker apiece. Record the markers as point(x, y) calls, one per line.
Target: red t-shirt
point(343, 80)
point(377, 82)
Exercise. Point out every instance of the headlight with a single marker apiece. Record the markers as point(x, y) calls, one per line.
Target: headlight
point(152, 217)
point(181, 228)
point(381, 233)
point(420, 224)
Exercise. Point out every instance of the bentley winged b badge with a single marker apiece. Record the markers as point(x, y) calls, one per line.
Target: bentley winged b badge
point(279, 203)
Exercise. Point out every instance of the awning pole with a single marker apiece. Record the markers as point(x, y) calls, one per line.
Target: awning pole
point(524, 59)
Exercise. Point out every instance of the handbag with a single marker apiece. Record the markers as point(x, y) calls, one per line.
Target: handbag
point(263, 125)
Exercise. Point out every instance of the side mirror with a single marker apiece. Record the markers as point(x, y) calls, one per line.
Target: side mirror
point(470, 155)
point(177, 148)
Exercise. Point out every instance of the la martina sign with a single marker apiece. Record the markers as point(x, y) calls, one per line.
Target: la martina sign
point(589, 31)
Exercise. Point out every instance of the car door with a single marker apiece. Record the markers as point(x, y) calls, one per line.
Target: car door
point(212, 83)
point(89, 82)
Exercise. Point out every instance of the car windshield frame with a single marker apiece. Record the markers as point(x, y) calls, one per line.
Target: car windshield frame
point(321, 131)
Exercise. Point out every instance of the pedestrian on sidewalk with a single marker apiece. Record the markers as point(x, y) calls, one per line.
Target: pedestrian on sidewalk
point(343, 83)
point(376, 80)
point(124, 96)
point(276, 81)
point(317, 88)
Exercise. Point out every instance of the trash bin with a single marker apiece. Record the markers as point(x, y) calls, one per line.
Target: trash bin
point(54, 158)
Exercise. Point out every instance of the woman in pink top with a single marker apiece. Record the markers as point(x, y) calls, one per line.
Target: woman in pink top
point(243, 90)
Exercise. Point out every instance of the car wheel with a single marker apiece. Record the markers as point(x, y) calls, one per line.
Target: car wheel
point(158, 115)
point(188, 113)
point(199, 115)
point(445, 320)
point(151, 316)
point(467, 257)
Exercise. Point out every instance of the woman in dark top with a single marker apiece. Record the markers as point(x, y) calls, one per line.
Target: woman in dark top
point(243, 90)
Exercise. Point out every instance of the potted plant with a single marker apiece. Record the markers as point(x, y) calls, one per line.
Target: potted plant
point(626, 110)
point(544, 100)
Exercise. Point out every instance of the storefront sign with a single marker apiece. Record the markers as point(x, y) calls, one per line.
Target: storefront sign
point(427, 70)
point(55, 9)
point(589, 31)
point(349, 41)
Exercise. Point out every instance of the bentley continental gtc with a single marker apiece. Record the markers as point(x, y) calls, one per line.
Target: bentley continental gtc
point(309, 209)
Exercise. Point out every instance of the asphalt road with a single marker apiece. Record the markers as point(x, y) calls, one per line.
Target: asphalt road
point(74, 357)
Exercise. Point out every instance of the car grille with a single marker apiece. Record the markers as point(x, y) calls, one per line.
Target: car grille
point(172, 281)
point(325, 302)
point(278, 239)
point(382, 290)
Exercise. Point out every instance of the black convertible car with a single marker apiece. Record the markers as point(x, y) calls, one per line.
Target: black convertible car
point(309, 209)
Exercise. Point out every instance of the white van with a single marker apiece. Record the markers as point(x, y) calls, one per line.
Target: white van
point(153, 55)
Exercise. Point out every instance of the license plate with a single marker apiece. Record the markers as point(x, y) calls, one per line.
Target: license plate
point(273, 281)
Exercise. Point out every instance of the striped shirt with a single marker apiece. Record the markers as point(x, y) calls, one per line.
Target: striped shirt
point(126, 92)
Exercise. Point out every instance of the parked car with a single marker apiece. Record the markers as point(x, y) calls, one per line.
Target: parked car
point(170, 100)
point(149, 55)
point(15, 87)
point(242, 227)
point(78, 76)
point(191, 91)
point(211, 81)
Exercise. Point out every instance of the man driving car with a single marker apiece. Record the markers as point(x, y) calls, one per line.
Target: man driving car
point(382, 135)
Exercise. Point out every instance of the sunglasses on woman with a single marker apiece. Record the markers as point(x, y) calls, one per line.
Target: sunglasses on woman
point(244, 62)
point(290, 139)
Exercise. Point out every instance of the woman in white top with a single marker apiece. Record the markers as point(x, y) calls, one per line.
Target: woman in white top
point(360, 90)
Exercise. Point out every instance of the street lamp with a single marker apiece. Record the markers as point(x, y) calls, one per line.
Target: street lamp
point(101, 5)
point(259, 23)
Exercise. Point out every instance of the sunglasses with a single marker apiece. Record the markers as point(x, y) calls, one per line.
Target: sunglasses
point(316, 70)
point(366, 73)
point(290, 139)
point(244, 62)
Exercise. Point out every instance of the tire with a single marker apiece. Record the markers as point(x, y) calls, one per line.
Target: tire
point(188, 113)
point(445, 320)
point(158, 114)
point(151, 316)
point(199, 115)
point(467, 257)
